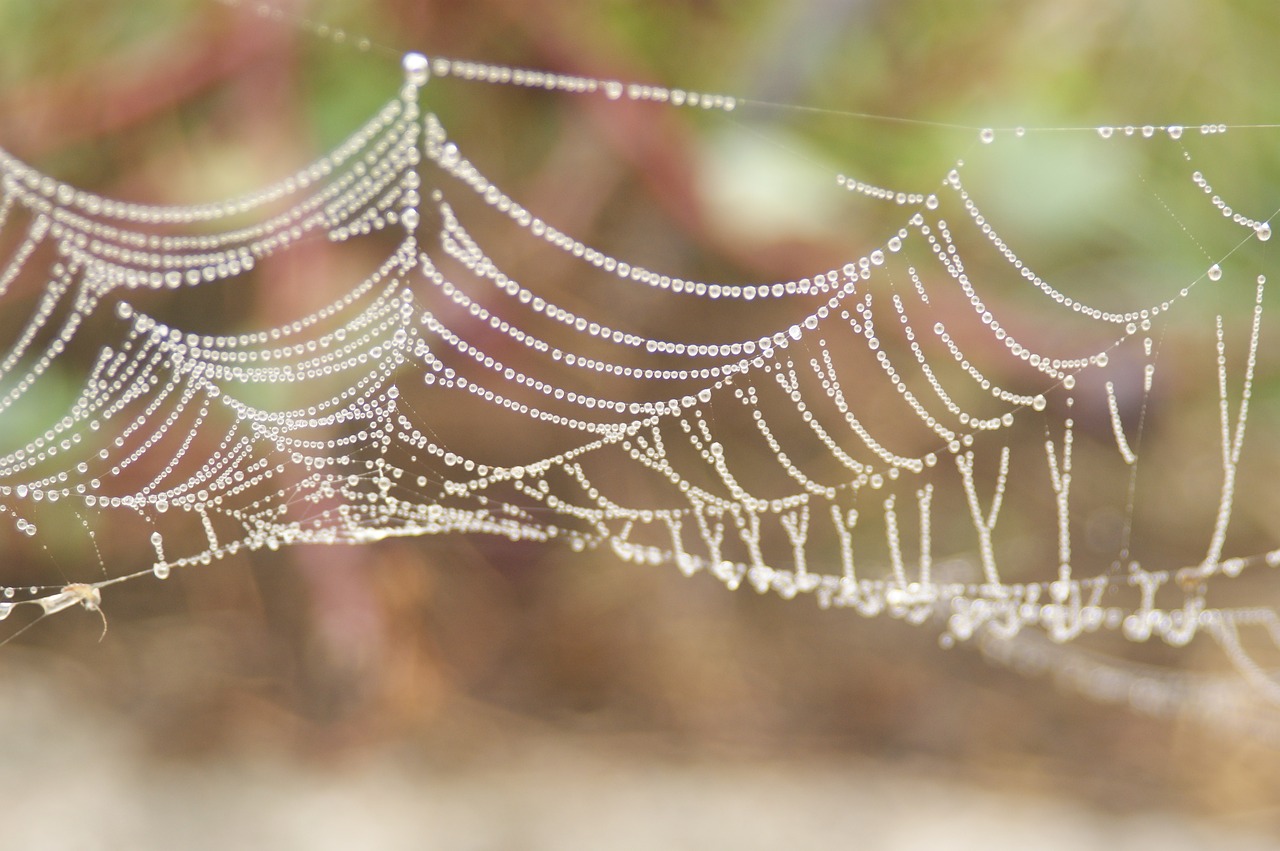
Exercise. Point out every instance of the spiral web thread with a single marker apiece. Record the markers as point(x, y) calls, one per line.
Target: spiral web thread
point(859, 450)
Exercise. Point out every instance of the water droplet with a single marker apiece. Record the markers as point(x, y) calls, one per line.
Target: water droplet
point(161, 570)
point(1105, 132)
point(1175, 131)
point(1039, 402)
point(1215, 272)
point(1102, 359)
point(1263, 232)
point(1069, 382)
point(416, 69)
point(987, 136)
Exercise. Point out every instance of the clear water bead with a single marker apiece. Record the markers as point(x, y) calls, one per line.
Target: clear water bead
point(987, 136)
point(1215, 272)
point(417, 69)
point(1263, 232)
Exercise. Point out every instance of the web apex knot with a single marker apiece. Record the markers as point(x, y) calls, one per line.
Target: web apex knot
point(417, 69)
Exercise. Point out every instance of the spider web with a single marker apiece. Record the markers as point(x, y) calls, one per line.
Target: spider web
point(931, 429)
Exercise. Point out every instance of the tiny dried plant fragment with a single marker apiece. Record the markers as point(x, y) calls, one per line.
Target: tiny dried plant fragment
point(87, 595)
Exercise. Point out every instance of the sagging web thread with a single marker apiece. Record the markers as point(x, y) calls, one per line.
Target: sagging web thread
point(860, 486)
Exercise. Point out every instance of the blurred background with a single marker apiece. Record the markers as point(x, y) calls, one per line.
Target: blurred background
point(461, 693)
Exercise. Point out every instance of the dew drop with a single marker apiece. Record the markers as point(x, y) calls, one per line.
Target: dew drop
point(1105, 132)
point(1069, 382)
point(1039, 402)
point(987, 136)
point(1102, 359)
point(416, 69)
point(1263, 232)
point(1215, 272)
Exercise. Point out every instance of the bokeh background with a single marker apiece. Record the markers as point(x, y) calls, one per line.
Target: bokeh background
point(470, 694)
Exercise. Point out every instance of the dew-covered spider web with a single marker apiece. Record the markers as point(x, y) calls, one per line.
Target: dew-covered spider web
point(931, 428)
